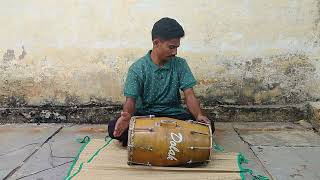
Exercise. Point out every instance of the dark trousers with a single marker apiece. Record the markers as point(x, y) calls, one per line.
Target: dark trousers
point(124, 136)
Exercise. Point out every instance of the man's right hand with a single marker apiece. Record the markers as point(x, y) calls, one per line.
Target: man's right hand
point(122, 124)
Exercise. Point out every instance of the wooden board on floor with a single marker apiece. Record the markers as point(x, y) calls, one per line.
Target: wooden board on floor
point(111, 163)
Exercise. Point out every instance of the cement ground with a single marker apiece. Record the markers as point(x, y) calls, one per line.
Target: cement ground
point(277, 150)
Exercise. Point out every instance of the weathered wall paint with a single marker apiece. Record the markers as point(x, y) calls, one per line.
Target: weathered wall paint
point(77, 52)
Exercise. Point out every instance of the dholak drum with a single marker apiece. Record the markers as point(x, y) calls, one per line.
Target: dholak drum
point(162, 141)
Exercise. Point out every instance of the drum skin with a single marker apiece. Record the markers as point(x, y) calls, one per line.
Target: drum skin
point(162, 141)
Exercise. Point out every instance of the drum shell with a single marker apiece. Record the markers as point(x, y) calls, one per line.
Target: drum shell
point(162, 141)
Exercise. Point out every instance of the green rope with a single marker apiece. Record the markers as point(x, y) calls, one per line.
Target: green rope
point(84, 141)
point(242, 159)
point(218, 148)
point(78, 170)
point(106, 138)
point(98, 151)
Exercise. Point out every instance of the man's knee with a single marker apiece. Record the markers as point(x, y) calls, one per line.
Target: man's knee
point(122, 138)
point(111, 126)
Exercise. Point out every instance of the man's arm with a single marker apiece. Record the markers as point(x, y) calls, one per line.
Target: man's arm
point(132, 90)
point(194, 105)
point(130, 105)
point(122, 124)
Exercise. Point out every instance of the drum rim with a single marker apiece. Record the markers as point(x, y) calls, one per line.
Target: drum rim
point(210, 136)
point(211, 141)
point(130, 138)
point(131, 131)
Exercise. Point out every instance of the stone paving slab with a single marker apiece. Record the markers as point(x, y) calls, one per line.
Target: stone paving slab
point(43, 161)
point(15, 136)
point(48, 174)
point(290, 162)
point(12, 160)
point(18, 141)
point(227, 137)
point(267, 126)
point(55, 157)
point(68, 135)
point(277, 134)
point(263, 144)
point(281, 138)
point(286, 150)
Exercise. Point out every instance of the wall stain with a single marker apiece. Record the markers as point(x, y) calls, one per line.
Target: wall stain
point(12, 101)
point(275, 80)
point(23, 53)
point(92, 78)
point(9, 55)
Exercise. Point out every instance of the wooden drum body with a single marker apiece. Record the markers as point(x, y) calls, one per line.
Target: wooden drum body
point(162, 141)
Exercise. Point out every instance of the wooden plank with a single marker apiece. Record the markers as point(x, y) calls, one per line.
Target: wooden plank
point(95, 174)
point(111, 163)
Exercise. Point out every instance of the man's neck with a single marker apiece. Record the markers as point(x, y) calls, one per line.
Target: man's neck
point(155, 59)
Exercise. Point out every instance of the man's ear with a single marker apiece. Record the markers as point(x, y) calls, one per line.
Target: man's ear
point(156, 42)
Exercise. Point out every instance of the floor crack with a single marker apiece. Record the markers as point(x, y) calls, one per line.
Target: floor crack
point(19, 148)
point(44, 170)
point(36, 150)
point(51, 155)
point(250, 145)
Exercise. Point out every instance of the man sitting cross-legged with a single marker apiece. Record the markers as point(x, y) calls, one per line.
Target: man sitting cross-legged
point(154, 82)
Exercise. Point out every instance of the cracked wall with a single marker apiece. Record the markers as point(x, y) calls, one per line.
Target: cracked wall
point(77, 52)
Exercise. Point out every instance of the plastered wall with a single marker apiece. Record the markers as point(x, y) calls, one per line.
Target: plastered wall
point(77, 52)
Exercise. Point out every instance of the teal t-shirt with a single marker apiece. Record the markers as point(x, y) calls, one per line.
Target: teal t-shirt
point(155, 88)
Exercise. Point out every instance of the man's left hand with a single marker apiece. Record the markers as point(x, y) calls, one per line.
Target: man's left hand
point(204, 119)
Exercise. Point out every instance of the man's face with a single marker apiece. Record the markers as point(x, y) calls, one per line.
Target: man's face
point(167, 49)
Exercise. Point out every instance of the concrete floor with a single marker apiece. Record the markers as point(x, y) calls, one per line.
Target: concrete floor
point(45, 151)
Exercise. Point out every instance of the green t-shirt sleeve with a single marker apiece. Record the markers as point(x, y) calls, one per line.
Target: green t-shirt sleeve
point(133, 84)
point(186, 78)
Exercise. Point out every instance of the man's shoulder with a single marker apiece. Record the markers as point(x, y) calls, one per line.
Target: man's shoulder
point(178, 58)
point(180, 62)
point(138, 64)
